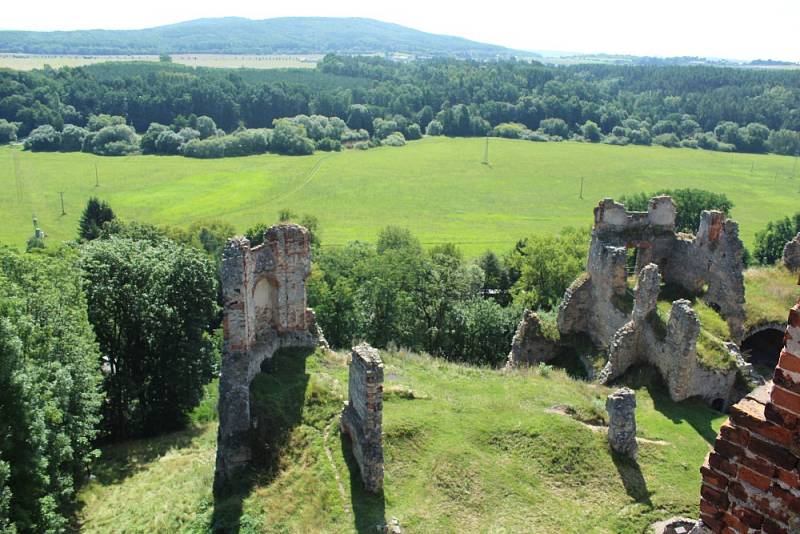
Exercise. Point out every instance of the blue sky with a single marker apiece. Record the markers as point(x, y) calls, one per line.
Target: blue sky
point(712, 28)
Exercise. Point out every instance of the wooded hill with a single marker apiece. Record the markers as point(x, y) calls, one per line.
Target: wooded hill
point(236, 35)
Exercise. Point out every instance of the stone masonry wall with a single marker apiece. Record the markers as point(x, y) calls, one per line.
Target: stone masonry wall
point(751, 480)
point(362, 418)
point(529, 345)
point(791, 254)
point(264, 309)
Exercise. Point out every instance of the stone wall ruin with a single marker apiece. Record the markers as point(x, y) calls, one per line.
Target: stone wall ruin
point(791, 254)
point(751, 479)
point(598, 303)
point(264, 309)
point(362, 417)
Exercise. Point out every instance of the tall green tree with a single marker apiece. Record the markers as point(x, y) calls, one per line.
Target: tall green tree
point(49, 378)
point(151, 304)
point(94, 216)
point(771, 240)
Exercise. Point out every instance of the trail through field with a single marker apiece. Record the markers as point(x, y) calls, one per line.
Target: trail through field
point(307, 181)
point(329, 454)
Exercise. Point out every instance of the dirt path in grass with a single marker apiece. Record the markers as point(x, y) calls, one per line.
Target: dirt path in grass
point(329, 454)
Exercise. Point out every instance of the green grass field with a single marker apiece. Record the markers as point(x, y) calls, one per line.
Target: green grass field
point(470, 450)
point(437, 187)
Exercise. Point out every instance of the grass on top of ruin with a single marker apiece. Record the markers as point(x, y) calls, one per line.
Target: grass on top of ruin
point(436, 187)
point(769, 293)
point(466, 449)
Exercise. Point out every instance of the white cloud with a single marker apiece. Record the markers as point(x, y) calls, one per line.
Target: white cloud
point(713, 28)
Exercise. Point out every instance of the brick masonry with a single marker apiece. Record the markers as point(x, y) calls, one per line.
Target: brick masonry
point(751, 481)
point(362, 417)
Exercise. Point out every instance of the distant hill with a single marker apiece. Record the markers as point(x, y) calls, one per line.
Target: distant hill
point(235, 35)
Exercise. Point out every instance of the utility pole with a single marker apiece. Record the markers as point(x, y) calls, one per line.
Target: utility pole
point(581, 195)
point(96, 176)
point(62, 203)
point(486, 152)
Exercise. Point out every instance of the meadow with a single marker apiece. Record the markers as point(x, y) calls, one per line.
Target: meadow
point(437, 187)
point(467, 449)
point(231, 61)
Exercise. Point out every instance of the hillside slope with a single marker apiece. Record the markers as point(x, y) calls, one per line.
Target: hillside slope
point(466, 450)
point(235, 35)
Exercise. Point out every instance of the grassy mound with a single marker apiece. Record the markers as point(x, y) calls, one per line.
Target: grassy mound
point(467, 449)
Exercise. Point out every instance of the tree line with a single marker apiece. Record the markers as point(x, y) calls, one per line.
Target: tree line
point(705, 107)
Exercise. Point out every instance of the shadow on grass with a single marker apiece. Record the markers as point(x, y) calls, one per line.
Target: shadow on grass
point(632, 478)
point(277, 398)
point(695, 412)
point(121, 460)
point(369, 509)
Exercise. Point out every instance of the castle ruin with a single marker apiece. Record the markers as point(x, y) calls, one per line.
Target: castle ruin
point(264, 307)
point(599, 304)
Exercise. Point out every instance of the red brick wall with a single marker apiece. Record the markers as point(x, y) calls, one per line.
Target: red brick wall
point(751, 481)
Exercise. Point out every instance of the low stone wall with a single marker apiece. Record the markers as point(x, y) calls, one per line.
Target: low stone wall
point(751, 481)
point(362, 417)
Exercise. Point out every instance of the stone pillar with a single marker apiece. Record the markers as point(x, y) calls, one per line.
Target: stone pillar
point(363, 414)
point(621, 407)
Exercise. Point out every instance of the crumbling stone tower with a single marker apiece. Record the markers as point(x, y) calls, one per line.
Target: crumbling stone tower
point(264, 307)
point(751, 480)
point(362, 418)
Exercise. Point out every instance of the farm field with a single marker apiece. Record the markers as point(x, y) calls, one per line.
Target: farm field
point(467, 449)
point(436, 187)
point(231, 61)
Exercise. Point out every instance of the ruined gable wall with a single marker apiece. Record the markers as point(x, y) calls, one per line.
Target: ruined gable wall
point(264, 309)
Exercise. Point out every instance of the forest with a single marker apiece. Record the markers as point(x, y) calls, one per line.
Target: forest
point(715, 108)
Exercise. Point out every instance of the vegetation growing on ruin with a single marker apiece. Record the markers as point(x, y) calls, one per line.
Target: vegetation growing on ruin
point(480, 450)
point(527, 188)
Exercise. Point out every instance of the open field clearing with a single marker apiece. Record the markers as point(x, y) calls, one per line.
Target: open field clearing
point(436, 187)
point(231, 61)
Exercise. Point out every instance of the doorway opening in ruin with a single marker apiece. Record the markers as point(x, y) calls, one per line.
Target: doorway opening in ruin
point(763, 348)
